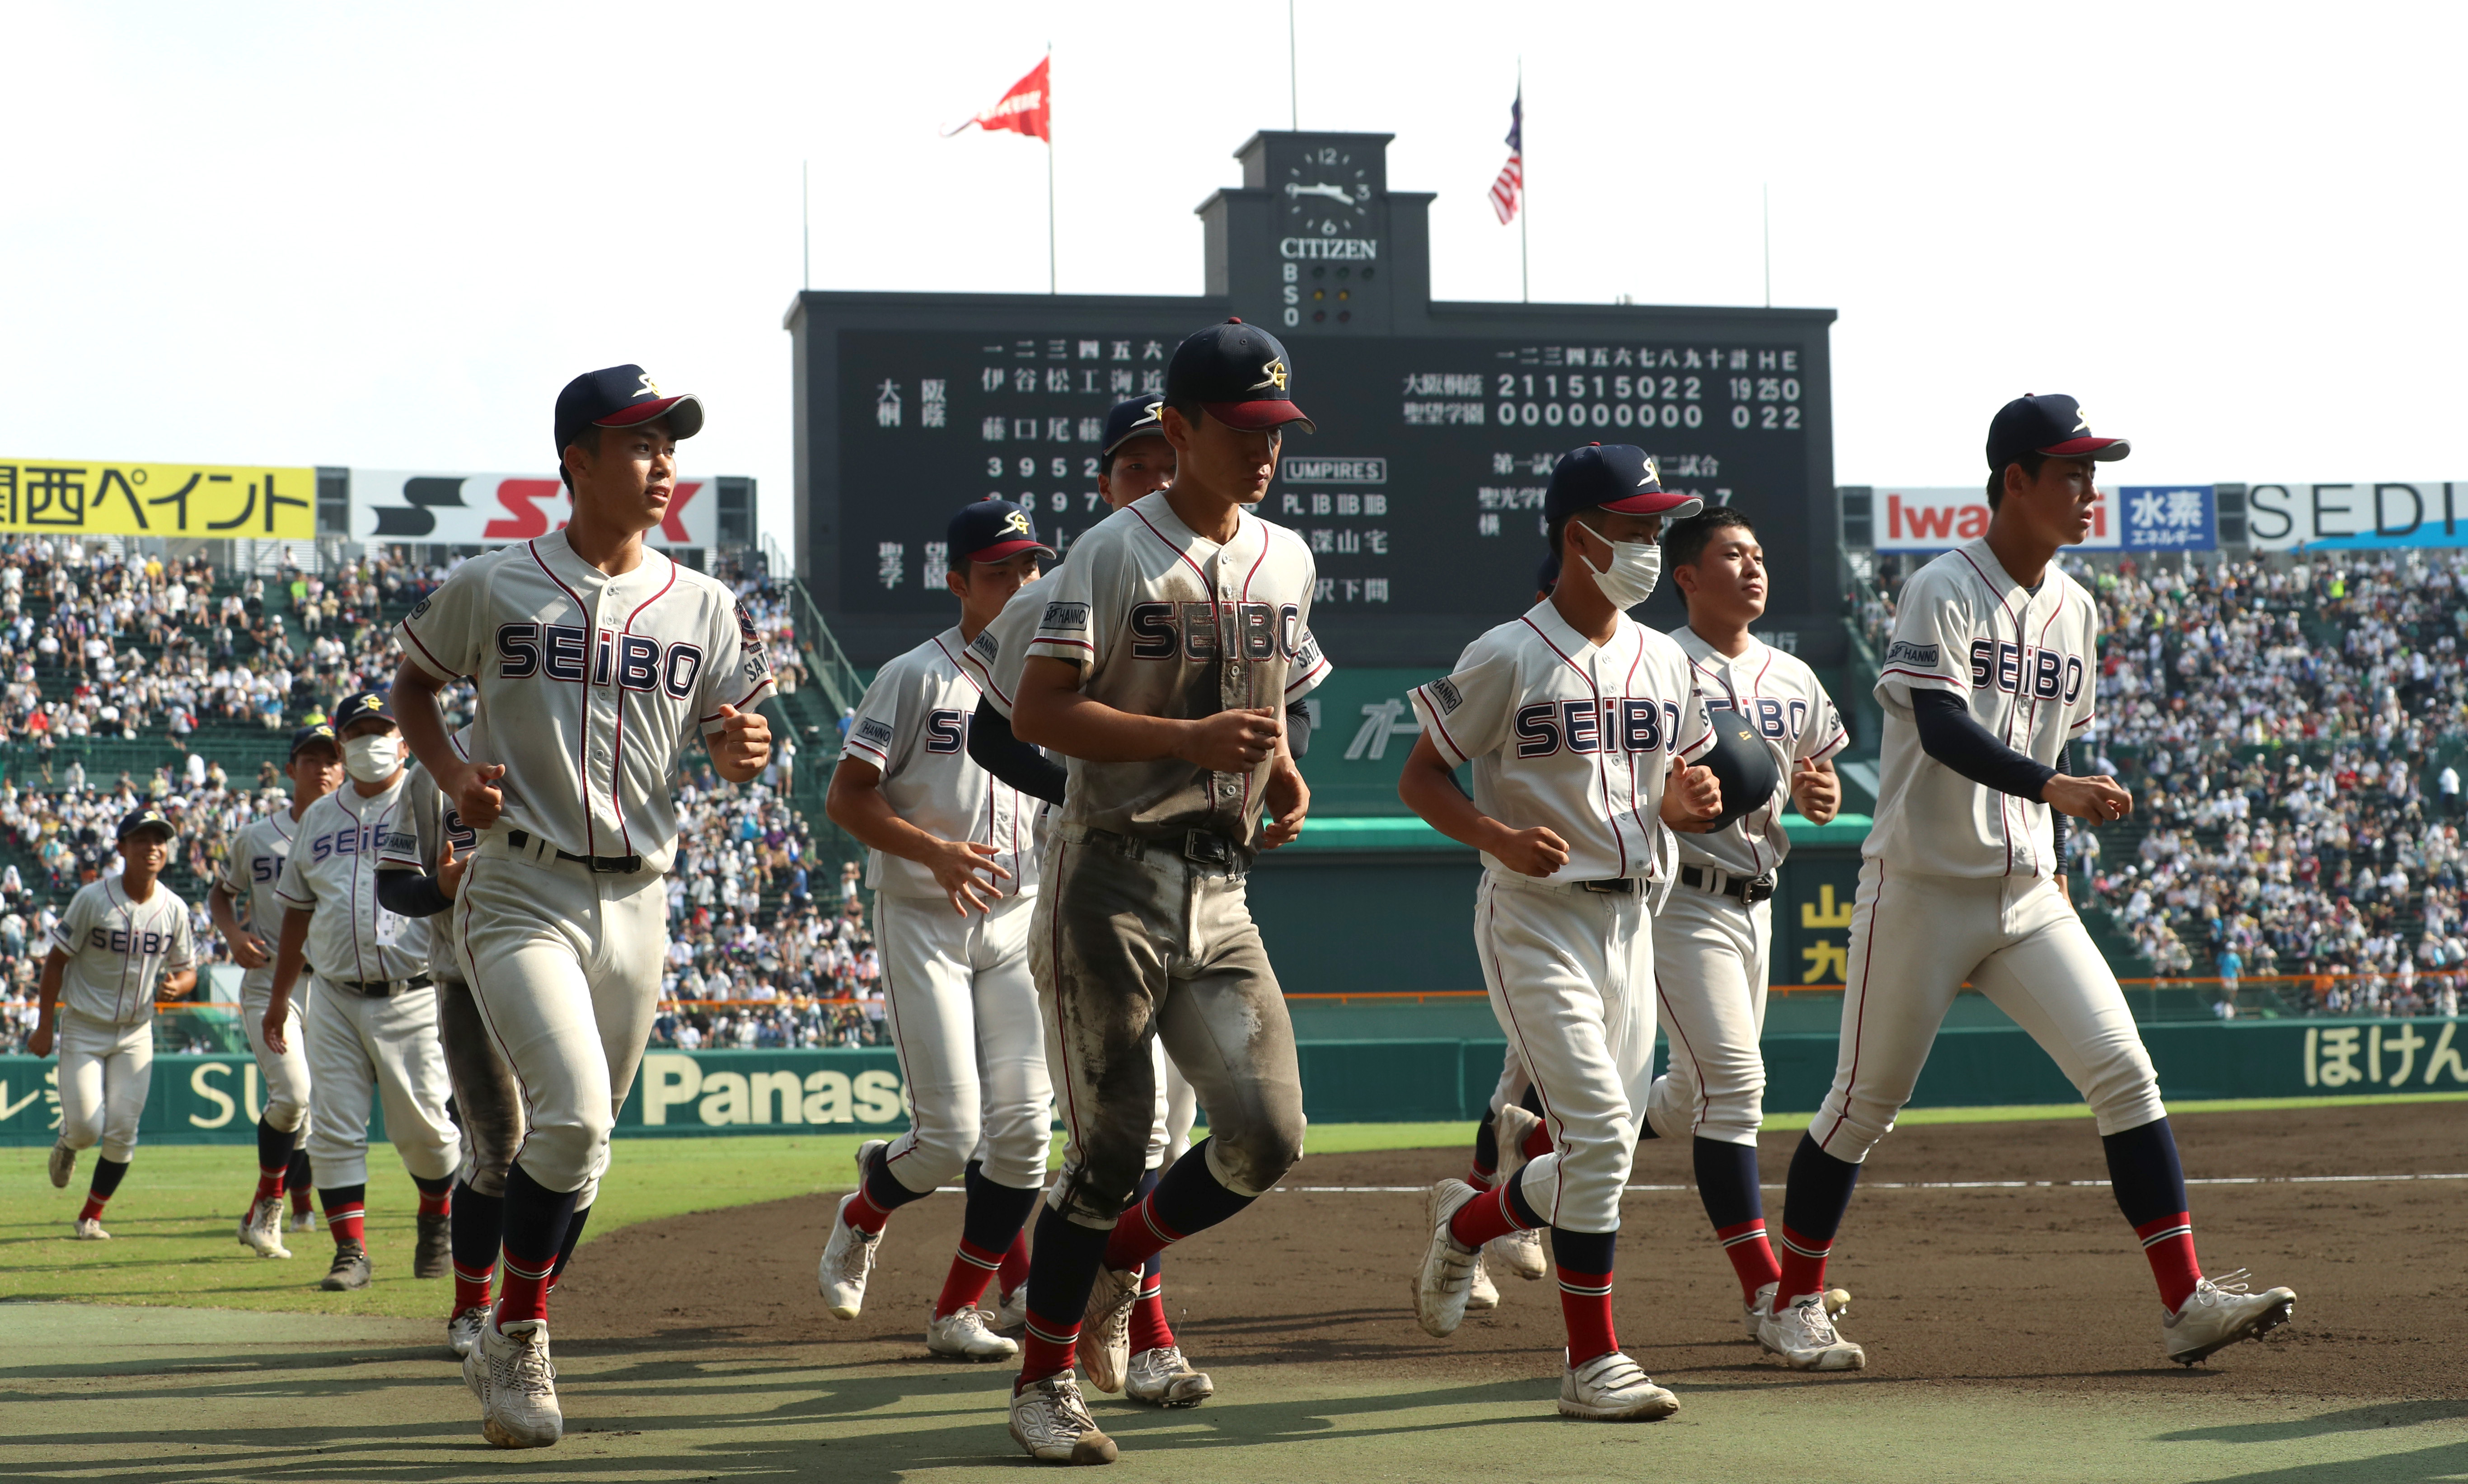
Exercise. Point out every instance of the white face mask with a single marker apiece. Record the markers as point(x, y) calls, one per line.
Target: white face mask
point(1635, 567)
point(372, 759)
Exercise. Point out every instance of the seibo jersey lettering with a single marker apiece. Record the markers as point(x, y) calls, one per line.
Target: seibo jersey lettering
point(2020, 660)
point(592, 687)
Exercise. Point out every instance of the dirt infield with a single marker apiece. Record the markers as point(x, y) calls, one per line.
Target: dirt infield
point(2038, 1287)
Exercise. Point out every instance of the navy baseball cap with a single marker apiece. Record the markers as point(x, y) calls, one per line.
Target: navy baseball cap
point(2053, 424)
point(145, 816)
point(360, 705)
point(323, 731)
point(1133, 418)
point(1618, 477)
point(992, 530)
point(621, 397)
point(1238, 373)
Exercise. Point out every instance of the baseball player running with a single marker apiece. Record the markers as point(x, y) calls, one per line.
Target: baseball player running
point(1577, 718)
point(420, 868)
point(376, 1020)
point(243, 886)
point(598, 662)
point(1161, 666)
point(1987, 677)
point(119, 941)
point(953, 864)
point(1137, 462)
point(1712, 934)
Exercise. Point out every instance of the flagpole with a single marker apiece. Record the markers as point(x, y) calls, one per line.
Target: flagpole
point(1052, 276)
point(1764, 200)
point(806, 216)
point(1294, 76)
point(1524, 193)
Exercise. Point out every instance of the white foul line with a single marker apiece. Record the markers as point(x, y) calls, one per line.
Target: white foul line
point(2226, 1180)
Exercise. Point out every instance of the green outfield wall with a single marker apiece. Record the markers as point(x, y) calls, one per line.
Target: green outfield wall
point(214, 1099)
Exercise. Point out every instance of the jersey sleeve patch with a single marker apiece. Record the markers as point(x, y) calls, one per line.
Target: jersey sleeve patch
point(874, 730)
point(1064, 618)
point(1446, 694)
point(1902, 652)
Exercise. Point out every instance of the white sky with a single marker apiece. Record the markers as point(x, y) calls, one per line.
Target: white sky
point(384, 237)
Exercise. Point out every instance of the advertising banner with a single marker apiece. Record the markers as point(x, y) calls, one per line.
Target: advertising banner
point(2170, 517)
point(1934, 519)
point(492, 509)
point(65, 498)
point(2366, 514)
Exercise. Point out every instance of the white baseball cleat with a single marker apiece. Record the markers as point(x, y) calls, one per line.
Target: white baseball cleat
point(1163, 1378)
point(1481, 1292)
point(512, 1375)
point(88, 1229)
point(1441, 1282)
point(1509, 1131)
point(1805, 1338)
point(1613, 1388)
point(2220, 1314)
point(1052, 1423)
point(1520, 1252)
point(63, 1165)
point(1010, 1312)
point(963, 1333)
point(304, 1221)
point(1106, 1328)
point(1838, 1303)
point(261, 1230)
point(463, 1330)
point(848, 1260)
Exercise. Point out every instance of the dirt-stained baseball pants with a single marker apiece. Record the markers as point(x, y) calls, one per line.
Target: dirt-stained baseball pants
point(358, 1045)
point(286, 1072)
point(566, 964)
point(1709, 970)
point(1570, 974)
point(1131, 940)
point(105, 1071)
point(965, 1022)
point(487, 1106)
point(1915, 939)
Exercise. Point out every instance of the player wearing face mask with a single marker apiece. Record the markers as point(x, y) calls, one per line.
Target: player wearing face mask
point(375, 1025)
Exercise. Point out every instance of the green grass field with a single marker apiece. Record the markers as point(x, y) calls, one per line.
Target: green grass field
point(173, 1220)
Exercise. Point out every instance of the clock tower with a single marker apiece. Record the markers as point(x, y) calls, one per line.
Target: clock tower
point(1315, 243)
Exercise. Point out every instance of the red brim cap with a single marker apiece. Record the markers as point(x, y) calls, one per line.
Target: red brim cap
point(2106, 450)
point(1657, 502)
point(1251, 417)
point(684, 413)
point(1001, 550)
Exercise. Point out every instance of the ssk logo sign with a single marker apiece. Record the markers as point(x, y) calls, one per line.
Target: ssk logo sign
point(492, 509)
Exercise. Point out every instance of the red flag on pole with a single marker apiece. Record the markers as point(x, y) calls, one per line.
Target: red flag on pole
point(1024, 110)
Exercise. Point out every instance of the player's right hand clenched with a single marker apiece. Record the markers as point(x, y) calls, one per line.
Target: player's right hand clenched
point(2101, 800)
point(1232, 742)
point(1535, 851)
point(476, 799)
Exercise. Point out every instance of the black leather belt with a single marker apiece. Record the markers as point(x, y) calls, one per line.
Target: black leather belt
point(1200, 847)
point(382, 988)
point(1746, 890)
point(605, 865)
point(1614, 886)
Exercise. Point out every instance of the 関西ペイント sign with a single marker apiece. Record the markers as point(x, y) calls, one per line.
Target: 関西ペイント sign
point(86, 497)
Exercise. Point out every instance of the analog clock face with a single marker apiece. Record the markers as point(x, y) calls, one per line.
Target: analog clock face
point(1325, 192)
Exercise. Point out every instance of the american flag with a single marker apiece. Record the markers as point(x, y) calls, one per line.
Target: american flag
point(1509, 188)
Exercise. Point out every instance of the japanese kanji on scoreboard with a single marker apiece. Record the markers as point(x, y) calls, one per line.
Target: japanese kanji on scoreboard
point(70, 496)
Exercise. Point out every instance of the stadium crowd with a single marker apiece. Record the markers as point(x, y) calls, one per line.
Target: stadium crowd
point(2281, 724)
point(98, 644)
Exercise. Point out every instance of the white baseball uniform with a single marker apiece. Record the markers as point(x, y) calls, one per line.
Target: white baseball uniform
point(118, 953)
point(1711, 952)
point(1957, 884)
point(375, 1025)
point(591, 689)
point(1142, 927)
point(1577, 738)
point(956, 988)
point(247, 875)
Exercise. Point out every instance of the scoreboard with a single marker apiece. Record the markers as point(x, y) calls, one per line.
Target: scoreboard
point(1421, 492)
